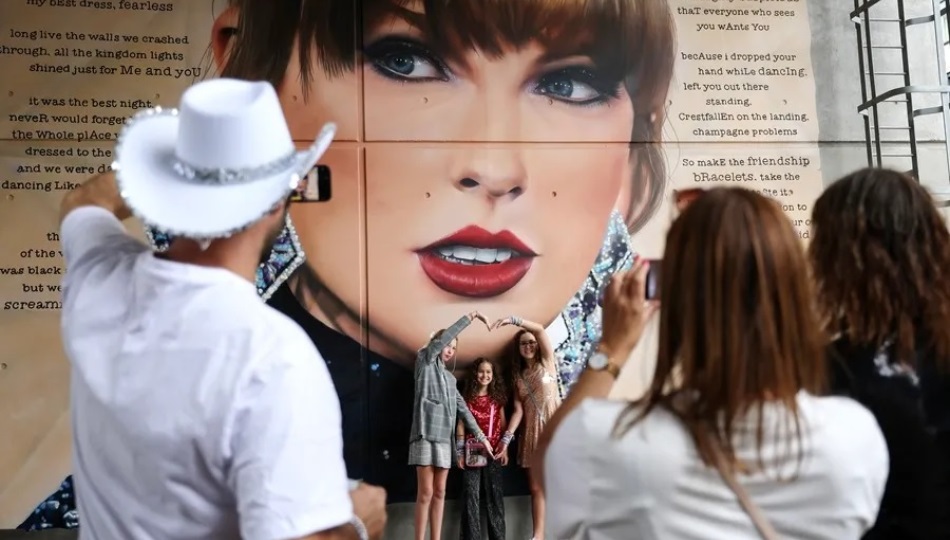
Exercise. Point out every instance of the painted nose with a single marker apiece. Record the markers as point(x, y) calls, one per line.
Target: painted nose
point(492, 164)
point(494, 171)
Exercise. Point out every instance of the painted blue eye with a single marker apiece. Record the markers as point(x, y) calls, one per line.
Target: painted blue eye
point(405, 59)
point(577, 85)
point(410, 66)
point(568, 90)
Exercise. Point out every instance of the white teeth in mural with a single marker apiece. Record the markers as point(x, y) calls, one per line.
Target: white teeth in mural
point(464, 252)
point(468, 254)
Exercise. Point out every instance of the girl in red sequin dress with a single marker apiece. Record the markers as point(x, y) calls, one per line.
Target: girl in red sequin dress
point(486, 397)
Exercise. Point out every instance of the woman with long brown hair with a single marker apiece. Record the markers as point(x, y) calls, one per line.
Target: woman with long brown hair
point(880, 254)
point(732, 440)
point(534, 379)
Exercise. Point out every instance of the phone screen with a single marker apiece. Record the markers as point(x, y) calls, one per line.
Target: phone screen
point(653, 279)
point(315, 187)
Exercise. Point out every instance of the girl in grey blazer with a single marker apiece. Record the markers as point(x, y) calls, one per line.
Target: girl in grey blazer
point(435, 406)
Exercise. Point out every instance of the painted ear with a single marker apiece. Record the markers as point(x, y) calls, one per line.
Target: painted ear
point(223, 33)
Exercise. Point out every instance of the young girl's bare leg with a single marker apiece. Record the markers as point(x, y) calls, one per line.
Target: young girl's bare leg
point(424, 478)
point(537, 507)
point(438, 503)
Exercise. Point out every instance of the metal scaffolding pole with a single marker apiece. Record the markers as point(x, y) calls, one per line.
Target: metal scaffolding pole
point(894, 142)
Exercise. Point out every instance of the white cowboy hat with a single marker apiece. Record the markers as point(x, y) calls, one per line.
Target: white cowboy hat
point(214, 166)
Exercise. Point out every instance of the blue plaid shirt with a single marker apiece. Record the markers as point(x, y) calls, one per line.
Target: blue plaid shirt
point(437, 400)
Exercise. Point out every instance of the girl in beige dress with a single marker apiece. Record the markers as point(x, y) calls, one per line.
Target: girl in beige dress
point(536, 389)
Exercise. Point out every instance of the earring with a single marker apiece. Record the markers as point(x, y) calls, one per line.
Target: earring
point(582, 316)
point(157, 239)
point(286, 255)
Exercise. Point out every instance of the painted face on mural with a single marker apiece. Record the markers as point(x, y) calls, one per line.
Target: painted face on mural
point(500, 203)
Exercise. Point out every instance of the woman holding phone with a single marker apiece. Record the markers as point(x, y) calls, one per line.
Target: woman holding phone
point(735, 438)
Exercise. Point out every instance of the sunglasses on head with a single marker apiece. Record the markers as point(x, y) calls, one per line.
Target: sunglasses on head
point(684, 197)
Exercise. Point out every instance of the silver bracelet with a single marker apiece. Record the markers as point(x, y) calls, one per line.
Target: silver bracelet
point(357, 524)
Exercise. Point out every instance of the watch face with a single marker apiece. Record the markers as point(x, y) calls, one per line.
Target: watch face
point(598, 361)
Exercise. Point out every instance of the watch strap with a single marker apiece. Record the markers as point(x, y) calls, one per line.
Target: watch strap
point(609, 367)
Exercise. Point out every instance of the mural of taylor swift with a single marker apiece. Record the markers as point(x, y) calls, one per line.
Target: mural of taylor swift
point(532, 228)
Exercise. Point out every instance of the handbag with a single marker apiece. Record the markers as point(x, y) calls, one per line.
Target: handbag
point(476, 455)
point(761, 522)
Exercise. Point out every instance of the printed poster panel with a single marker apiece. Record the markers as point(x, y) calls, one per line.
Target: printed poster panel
point(501, 156)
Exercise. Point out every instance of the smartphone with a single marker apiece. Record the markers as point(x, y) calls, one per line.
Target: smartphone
point(315, 187)
point(653, 279)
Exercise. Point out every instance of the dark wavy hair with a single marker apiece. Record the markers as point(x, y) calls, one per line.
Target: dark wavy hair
point(496, 388)
point(880, 253)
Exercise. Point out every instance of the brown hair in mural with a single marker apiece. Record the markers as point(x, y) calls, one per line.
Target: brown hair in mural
point(883, 226)
point(737, 322)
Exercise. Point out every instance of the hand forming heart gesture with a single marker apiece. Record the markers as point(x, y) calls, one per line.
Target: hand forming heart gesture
point(507, 321)
point(476, 315)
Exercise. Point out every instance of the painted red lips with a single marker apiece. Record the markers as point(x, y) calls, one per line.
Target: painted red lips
point(476, 263)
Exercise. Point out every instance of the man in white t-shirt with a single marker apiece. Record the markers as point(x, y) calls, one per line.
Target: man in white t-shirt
point(199, 412)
